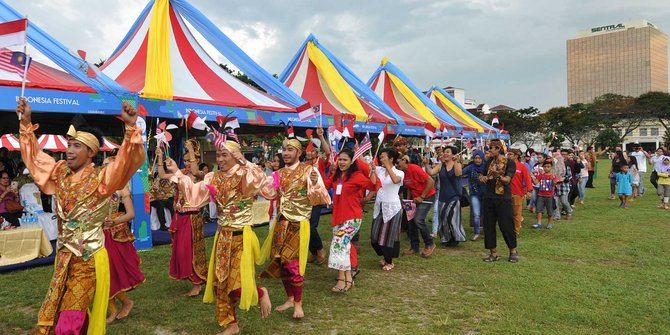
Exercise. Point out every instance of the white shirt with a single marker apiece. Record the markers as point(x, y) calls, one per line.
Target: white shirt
point(388, 201)
point(656, 161)
point(641, 160)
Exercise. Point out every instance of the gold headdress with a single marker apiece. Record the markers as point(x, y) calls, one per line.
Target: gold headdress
point(87, 138)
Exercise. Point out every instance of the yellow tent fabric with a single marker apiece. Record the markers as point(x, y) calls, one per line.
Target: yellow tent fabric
point(158, 79)
point(456, 112)
point(336, 83)
point(414, 101)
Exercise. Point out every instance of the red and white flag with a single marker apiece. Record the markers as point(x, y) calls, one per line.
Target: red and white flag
point(382, 134)
point(429, 130)
point(13, 33)
point(194, 121)
point(495, 120)
point(348, 130)
point(290, 133)
point(309, 113)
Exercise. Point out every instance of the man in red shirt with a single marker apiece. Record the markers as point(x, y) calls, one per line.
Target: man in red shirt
point(522, 185)
point(422, 191)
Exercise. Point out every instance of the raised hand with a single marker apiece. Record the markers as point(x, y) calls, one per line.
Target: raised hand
point(171, 166)
point(128, 114)
point(23, 111)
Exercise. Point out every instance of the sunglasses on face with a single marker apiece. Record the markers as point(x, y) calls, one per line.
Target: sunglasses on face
point(495, 147)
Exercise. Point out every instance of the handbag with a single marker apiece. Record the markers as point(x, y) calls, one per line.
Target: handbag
point(13, 206)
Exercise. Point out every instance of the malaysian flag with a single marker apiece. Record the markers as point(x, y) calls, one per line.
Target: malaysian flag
point(14, 62)
point(364, 146)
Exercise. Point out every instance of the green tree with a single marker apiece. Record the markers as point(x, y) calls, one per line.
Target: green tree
point(522, 124)
point(655, 105)
point(577, 123)
point(608, 137)
point(617, 111)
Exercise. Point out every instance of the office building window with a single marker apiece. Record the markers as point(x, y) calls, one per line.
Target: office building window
point(654, 131)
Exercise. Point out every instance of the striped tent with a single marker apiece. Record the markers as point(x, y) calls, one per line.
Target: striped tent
point(108, 145)
point(321, 78)
point(448, 104)
point(398, 92)
point(55, 143)
point(160, 59)
point(10, 142)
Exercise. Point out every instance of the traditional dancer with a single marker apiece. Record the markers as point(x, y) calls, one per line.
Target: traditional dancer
point(81, 273)
point(189, 254)
point(299, 187)
point(231, 275)
point(124, 263)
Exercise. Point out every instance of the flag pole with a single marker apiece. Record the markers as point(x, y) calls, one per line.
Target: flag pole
point(25, 67)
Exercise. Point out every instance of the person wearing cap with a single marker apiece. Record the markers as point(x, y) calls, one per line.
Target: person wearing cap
point(188, 260)
point(497, 205)
point(401, 146)
point(299, 187)
point(83, 191)
point(234, 187)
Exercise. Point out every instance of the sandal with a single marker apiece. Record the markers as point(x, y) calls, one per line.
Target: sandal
point(338, 289)
point(491, 258)
point(355, 273)
point(388, 267)
point(514, 257)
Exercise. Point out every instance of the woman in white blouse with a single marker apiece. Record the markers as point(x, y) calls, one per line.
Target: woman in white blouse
point(387, 212)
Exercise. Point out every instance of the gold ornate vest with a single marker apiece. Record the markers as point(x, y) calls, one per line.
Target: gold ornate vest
point(294, 204)
point(233, 208)
point(81, 211)
point(121, 231)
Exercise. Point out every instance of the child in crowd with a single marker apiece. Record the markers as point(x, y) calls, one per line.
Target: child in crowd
point(663, 171)
point(545, 194)
point(624, 181)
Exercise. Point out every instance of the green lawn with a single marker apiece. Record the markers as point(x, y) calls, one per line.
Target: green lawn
point(605, 272)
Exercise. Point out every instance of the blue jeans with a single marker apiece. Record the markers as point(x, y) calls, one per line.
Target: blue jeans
point(475, 211)
point(418, 225)
point(581, 186)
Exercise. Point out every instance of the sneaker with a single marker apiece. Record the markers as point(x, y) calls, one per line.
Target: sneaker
point(581, 202)
point(550, 226)
point(537, 226)
point(611, 197)
point(427, 251)
point(568, 217)
point(475, 237)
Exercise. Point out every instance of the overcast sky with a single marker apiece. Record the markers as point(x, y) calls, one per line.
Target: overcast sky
point(501, 52)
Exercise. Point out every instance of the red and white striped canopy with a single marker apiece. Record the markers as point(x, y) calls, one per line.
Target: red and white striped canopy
point(10, 142)
point(196, 77)
point(108, 145)
point(55, 143)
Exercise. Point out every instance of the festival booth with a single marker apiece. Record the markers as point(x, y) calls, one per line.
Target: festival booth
point(160, 60)
point(401, 95)
point(322, 79)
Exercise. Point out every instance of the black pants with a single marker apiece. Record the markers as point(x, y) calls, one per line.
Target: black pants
point(498, 210)
point(589, 182)
point(315, 242)
point(573, 195)
point(653, 178)
point(160, 206)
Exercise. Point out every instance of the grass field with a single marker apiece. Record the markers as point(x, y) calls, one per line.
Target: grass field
point(605, 272)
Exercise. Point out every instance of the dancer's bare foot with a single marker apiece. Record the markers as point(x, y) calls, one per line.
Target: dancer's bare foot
point(112, 311)
point(288, 304)
point(266, 304)
point(232, 329)
point(298, 313)
point(194, 292)
point(126, 306)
